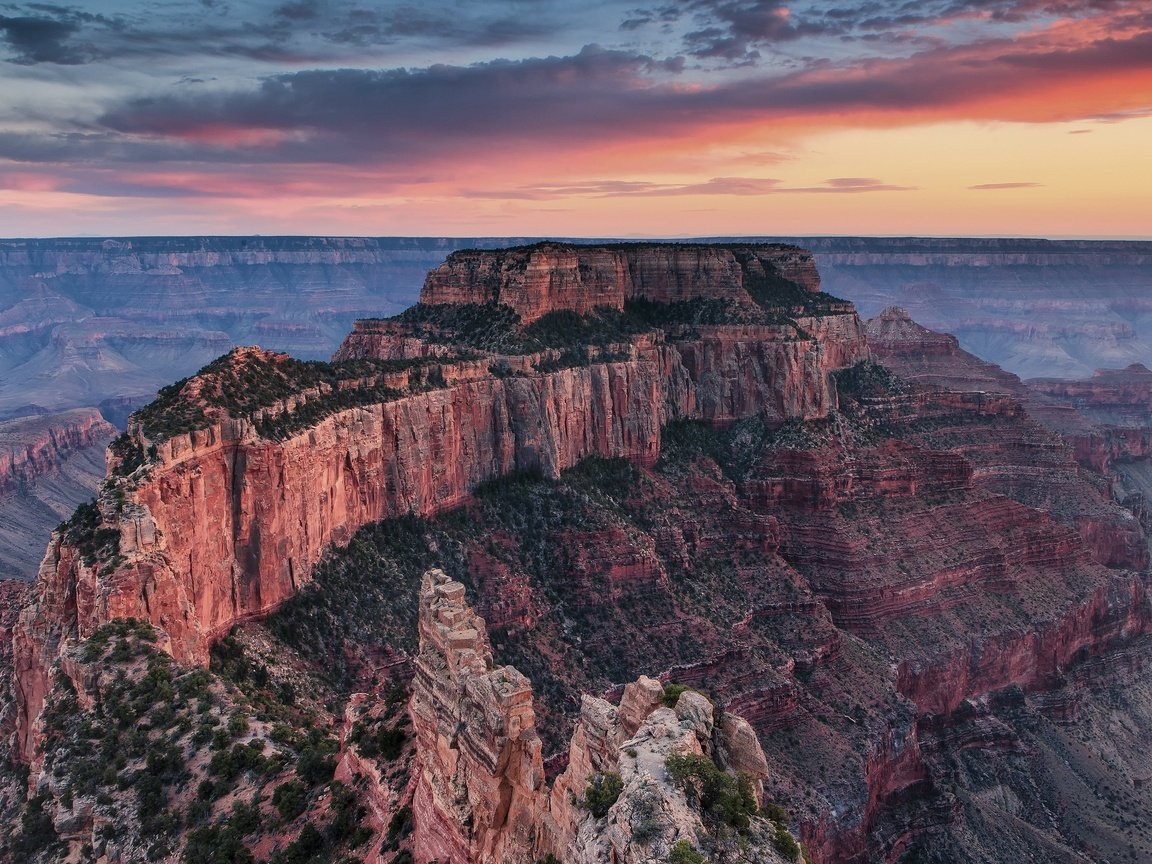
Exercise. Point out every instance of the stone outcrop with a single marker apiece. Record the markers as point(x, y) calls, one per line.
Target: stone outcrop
point(1035, 307)
point(928, 357)
point(481, 789)
point(535, 280)
point(481, 796)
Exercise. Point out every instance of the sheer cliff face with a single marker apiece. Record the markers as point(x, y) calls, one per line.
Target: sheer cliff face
point(223, 524)
point(539, 279)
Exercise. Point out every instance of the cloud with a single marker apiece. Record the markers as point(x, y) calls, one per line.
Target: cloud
point(293, 32)
point(994, 186)
point(299, 10)
point(42, 40)
point(600, 95)
point(735, 186)
point(359, 114)
point(443, 118)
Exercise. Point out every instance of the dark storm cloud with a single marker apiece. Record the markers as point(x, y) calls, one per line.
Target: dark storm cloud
point(294, 32)
point(358, 113)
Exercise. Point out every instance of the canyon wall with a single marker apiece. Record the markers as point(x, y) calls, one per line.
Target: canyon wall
point(48, 465)
point(1034, 307)
point(913, 550)
point(87, 320)
point(33, 447)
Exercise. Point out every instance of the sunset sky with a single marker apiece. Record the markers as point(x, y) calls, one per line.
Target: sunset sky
point(593, 118)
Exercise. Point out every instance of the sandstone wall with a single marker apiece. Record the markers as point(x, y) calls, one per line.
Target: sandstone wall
point(228, 525)
point(540, 279)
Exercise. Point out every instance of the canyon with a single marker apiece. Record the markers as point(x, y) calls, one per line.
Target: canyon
point(88, 320)
point(911, 587)
point(105, 322)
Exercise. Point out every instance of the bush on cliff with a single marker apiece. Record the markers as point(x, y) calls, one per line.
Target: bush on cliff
point(603, 791)
point(672, 694)
point(216, 844)
point(729, 798)
point(785, 843)
point(683, 853)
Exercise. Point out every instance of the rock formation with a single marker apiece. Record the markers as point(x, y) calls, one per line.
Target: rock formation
point(481, 791)
point(1035, 307)
point(535, 280)
point(481, 796)
point(895, 583)
point(222, 523)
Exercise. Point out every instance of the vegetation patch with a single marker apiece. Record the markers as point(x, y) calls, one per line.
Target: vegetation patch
point(85, 530)
point(244, 382)
point(174, 765)
point(729, 798)
point(603, 791)
point(867, 380)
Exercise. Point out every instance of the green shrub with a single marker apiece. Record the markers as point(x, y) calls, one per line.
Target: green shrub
point(347, 814)
point(729, 798)
point(672, 693)
point(290, 798)
point(683, 853)
point(245, 818)
point(774, 812)
point(304, 848)
point(785, 843)
point(216, 844)
point(37, 832)
point(315, 765)
point(603, 791)
point(400, 825)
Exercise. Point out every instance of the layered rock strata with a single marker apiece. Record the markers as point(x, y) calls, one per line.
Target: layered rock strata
point(535, 280)
point(32, 447)
point(223, 523)
point(48, 465)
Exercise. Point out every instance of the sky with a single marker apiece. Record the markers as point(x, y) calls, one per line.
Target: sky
point(590, 118)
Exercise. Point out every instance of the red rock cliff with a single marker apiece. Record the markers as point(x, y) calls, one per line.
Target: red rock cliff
point(535, 280)
point(224, 524)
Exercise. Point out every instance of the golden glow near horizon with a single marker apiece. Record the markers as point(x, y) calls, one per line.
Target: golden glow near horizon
point(956, 178)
